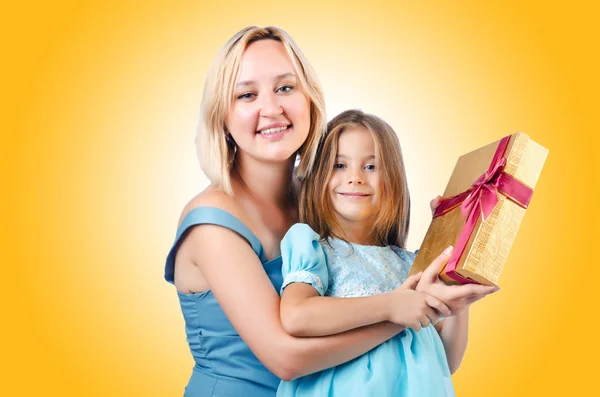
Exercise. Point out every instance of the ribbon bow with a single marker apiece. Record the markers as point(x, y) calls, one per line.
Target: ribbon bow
point(484, 195)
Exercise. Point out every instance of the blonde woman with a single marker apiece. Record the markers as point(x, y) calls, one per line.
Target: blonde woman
point(262, 107)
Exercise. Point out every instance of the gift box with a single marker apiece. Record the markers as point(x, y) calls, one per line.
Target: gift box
point(482, 208)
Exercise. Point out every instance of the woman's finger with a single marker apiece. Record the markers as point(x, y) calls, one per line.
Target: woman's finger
point(431, 273)
point(469, 290)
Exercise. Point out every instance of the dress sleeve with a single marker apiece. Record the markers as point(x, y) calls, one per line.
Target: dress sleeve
point(303, 259)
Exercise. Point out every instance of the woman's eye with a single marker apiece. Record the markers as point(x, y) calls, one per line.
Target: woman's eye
point(370, 167)
point(339, 166)
point(285, 88)
point(247, 95)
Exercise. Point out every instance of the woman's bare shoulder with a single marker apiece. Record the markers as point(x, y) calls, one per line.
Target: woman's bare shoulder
point(212, 197)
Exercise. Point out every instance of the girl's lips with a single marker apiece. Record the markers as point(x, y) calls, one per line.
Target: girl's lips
point(355, 195)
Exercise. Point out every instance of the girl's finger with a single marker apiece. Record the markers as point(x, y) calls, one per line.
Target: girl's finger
point(438, 305)
point(433, 204)
point(412, 281)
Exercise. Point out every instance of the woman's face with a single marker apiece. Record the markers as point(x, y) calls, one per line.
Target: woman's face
point(270, 115)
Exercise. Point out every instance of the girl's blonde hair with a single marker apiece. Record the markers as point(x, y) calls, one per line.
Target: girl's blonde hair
point(392, 222)
point(214, 151)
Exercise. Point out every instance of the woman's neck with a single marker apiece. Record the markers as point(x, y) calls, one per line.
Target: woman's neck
point(270, 183)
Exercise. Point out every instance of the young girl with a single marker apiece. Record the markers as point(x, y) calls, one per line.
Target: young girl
point(356, 209)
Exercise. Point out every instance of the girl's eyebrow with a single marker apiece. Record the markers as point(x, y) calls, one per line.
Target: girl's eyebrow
point(282, 76)
point(365, 157)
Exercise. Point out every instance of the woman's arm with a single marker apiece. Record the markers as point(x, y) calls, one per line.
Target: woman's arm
point(245, 293)
point(454, 332)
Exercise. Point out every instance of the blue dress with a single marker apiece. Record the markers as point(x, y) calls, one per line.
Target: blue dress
point(411, 364)
point(225, 365)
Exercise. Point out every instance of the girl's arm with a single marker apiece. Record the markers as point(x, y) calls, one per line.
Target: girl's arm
point(239, 283)
point(454, 332)
point(305, 313)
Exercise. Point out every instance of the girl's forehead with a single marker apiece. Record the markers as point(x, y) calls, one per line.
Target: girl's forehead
point(356, 140)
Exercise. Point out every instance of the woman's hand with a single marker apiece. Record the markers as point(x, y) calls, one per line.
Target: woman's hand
point(413, 309)
point(457, 297)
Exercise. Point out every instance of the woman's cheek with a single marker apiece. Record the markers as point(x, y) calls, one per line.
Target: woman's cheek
point(245, 117)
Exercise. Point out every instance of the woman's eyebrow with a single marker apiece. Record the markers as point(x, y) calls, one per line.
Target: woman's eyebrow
point(282, 76)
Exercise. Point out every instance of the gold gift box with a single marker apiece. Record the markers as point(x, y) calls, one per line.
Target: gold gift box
point(487, 248)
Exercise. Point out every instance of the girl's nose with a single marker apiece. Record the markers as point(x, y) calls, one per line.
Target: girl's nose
point(356, 179)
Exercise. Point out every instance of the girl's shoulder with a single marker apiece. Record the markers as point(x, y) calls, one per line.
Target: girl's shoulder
point(405, 255)
point(300, 232)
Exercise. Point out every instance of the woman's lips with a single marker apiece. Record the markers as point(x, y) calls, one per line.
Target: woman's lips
point(274, 133)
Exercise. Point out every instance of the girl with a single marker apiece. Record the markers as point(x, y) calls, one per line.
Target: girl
point(357, 204)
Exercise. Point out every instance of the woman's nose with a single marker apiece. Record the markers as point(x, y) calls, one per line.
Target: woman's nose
point(270, 105)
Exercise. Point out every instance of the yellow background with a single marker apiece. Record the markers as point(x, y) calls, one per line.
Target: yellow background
point(99, 106)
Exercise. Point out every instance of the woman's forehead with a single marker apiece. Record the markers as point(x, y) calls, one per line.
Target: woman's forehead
point(265, 60)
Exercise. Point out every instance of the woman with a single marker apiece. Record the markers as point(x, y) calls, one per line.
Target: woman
point(262, 106)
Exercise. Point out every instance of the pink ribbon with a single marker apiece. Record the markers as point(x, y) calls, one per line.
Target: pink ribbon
point(480, 200)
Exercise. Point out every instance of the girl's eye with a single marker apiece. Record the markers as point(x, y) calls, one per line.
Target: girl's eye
point(370, 167)
point(247, 95)
point(339, 166)
point(285, 88)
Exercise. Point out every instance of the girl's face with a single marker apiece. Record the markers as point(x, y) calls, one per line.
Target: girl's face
point(354, 187)
point(270, 115)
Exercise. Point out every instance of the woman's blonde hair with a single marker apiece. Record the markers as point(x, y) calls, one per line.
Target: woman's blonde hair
point(215, 152)
point(392, 222)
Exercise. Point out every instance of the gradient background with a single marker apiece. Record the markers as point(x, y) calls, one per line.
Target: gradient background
point(99, 107)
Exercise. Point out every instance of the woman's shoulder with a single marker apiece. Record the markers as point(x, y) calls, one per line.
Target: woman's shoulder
point(214, 198)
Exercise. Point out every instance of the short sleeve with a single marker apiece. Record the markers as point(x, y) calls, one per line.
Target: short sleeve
point(303, 259)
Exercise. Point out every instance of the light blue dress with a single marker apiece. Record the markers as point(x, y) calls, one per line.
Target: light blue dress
point(224, 364)
point(411, 364)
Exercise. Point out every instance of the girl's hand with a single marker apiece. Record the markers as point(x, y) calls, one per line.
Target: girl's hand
point(457, 297)
point(413, 309)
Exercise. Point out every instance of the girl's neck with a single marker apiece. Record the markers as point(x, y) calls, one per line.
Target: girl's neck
point(269, 183)
point(357, 232)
